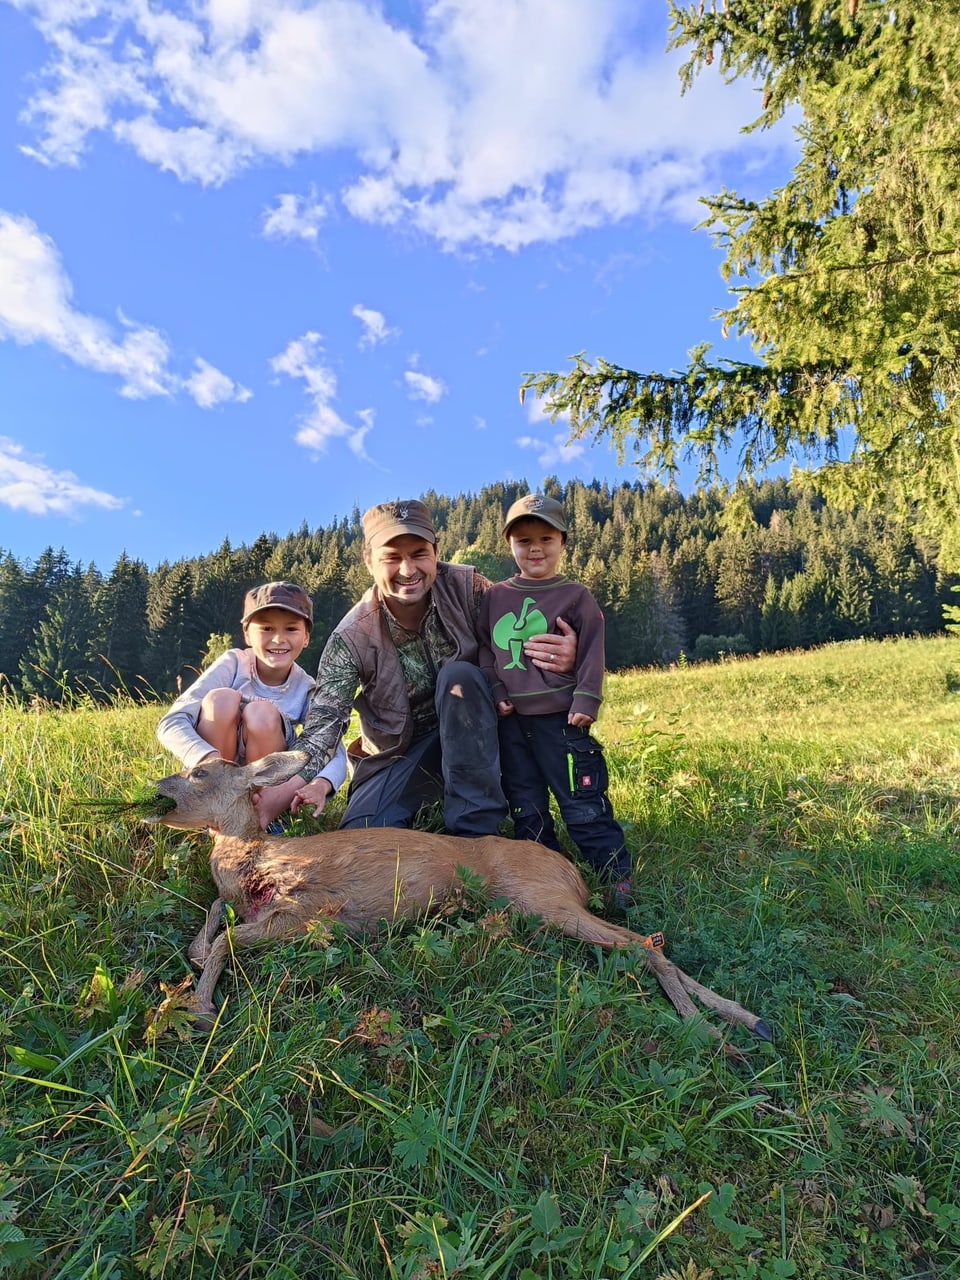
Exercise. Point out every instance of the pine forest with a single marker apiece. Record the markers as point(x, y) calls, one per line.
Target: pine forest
point(764, 567)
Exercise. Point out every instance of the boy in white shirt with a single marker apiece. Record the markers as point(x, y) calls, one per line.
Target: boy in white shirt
point(252, 701)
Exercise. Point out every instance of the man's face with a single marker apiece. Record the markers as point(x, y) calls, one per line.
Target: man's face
point(404, 569)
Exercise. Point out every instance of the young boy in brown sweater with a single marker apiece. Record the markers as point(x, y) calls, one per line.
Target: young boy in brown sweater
point(545, 717)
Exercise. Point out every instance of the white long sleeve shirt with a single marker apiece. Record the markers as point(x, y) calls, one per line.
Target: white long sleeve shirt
point(237, 669)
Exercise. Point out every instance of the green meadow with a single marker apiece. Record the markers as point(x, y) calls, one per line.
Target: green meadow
point(474, 1097)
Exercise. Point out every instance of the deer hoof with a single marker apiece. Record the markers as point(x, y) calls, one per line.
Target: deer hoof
point(205, 1020)
point(762, 1031)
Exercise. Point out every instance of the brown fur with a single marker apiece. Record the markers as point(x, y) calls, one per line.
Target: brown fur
point(278, 886)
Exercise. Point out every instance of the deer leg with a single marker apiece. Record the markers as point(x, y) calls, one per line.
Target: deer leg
point(279, 925)
point(677, 986)
point(728, 1009)
point(200, 946)
point(671, 983)
point(212, 968)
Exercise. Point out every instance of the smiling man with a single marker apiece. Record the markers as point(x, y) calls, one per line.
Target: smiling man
point(406, 658)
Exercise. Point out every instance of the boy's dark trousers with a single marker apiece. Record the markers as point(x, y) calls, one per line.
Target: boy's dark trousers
point(540, 754)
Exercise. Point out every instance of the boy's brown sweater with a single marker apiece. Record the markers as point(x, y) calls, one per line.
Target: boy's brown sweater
point(516, 610)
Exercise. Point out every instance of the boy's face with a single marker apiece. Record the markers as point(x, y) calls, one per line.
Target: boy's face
point(536, 547)
point(277, 638)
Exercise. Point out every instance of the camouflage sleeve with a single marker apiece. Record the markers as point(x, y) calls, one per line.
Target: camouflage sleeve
point(330, 706)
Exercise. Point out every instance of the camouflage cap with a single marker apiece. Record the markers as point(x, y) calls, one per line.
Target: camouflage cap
point(540, 508)
point(278, 595)
point(389, 520)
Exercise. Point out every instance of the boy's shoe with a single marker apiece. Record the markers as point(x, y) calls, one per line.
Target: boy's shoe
point(276, 828)
point(623, 894)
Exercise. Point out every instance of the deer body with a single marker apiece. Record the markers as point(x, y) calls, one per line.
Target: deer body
point(279, 886)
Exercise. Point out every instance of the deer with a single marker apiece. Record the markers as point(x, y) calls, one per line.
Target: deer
point(280, 886)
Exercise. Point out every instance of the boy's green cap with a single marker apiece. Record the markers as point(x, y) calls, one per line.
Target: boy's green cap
point(542, 508)
point(278, 595)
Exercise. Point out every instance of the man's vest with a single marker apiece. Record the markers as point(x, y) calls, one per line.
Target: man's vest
point(386, 721)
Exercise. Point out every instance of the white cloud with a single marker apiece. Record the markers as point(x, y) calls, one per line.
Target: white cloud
point(356, 440)
point(375, 327)
point(190, 153)
point(498, 122)
point(295, 218)
point(210, 387)
point(304, 359)
point(554, 452)
point(36, 306)
point(420, 386)
point(537, 409)
point(28, 484)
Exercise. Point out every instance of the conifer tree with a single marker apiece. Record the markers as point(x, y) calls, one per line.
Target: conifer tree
point(740, 584)
point(844, 280)
point(177, 637)
point(58, 660)
point(774, 634)
point(14, 636)
point(852, 598)
point(692, 582)
point(120, 611)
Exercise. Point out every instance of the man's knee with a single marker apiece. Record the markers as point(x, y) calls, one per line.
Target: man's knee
point(464, 703)
point(462, 680)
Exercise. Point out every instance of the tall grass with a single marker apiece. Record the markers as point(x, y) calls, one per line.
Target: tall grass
point(471, 1097)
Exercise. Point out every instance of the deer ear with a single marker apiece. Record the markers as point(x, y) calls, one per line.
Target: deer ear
point(276, 768)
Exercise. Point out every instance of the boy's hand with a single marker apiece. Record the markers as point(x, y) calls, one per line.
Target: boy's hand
point(315, 793)
point(579, 720)
point(554, 652)
point(504, 708)
point(272, 801)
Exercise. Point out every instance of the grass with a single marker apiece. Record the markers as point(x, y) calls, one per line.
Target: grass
point(468, 1097)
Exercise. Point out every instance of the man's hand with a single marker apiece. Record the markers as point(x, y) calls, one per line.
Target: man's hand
point(272, 801)
point(315, 793)
point(554, 652)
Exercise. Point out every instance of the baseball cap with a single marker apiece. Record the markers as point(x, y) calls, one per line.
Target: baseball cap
point(391, 519)
point(278, 595)
point(535, 504)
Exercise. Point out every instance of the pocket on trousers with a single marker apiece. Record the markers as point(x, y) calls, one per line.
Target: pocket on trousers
point(585, 767)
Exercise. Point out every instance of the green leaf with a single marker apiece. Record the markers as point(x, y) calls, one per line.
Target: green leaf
point(545, 1217)
point(35, 1061)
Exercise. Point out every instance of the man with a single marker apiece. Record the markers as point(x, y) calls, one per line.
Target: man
point(427, 719)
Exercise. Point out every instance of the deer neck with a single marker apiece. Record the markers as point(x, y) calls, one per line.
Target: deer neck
point(234, 862)
point(239, 821)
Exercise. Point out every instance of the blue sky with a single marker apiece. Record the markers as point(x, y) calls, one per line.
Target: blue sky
point(265, 260)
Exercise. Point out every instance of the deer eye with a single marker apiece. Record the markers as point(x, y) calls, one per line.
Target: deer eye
point(199, 773)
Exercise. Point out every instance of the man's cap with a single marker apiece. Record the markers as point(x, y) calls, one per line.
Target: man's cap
point(538, 506)
point(278, 595)
point(389, 520)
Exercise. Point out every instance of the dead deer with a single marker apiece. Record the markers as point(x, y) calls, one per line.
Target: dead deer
point(278, 886)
